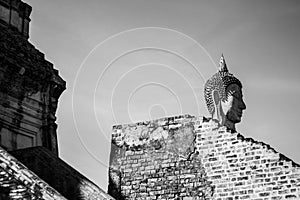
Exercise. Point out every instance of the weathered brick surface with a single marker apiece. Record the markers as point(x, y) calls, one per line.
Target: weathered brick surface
point(159, 175)
point(157, 160)
point(242, 168)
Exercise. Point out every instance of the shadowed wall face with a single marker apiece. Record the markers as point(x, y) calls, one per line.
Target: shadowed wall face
point(61, 176)
point(18, 182)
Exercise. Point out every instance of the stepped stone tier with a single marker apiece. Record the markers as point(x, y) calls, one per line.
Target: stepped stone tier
point(29, 87)
point(188, 157)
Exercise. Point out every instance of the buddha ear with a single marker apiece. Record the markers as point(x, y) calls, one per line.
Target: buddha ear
point(216, 98)
point(218, 113)
point(216, 102)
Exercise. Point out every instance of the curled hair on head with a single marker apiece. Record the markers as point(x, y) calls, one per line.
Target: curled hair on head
point(219, 82)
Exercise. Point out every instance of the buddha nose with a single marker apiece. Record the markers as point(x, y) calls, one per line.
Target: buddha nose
point(243, 105)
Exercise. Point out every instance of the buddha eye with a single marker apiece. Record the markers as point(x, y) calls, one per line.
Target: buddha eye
point(237, 95)
point(231, 92)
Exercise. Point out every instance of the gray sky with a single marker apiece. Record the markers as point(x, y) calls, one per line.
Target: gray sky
point(117, 77)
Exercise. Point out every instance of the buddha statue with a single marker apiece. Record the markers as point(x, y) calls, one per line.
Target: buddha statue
point(224, 98)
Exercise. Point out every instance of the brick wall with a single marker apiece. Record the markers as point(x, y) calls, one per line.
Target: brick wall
point(156, 160)
point(242, 168)
point(188, 157)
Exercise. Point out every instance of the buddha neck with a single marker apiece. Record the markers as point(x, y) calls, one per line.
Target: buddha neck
point(223, 121)
point(230, 125)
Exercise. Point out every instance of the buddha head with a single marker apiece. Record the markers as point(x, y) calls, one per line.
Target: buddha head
point(224, 98)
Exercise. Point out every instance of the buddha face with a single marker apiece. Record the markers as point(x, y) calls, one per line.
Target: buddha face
point(234, 106)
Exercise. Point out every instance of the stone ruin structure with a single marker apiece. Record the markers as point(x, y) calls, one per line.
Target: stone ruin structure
point(29, 87)
point(193, 158)
point(181, 157)
point(29, 91)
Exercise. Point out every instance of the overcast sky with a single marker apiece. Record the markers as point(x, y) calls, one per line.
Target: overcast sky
point(135, 60)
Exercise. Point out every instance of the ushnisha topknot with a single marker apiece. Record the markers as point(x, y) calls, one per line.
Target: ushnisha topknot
point(219, 82)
